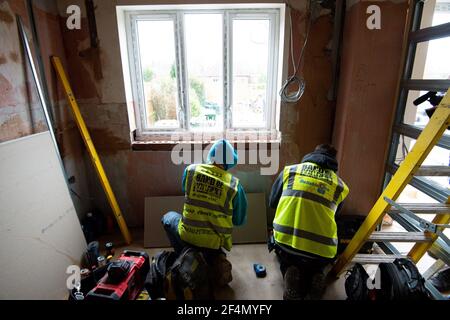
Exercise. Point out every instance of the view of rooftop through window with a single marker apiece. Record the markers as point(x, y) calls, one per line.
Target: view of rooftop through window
point(200, 56)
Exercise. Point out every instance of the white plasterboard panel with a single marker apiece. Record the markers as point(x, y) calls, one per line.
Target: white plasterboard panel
point(40, 235)
point(155, 208)
point(254, 231)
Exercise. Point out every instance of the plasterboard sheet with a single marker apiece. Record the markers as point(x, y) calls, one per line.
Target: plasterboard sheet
point(254, 231)
point(40, 235)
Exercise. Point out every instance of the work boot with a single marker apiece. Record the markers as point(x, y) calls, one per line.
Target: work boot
point(318, 285)
point(294, 284)
point(221, 269)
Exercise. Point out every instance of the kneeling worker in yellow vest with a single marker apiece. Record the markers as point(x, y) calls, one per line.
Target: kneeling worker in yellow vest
point(306, 197)
point(215, 201)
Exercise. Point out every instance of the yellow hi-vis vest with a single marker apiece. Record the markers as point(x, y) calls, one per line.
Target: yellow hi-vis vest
point(208, 207)
point(304, 219)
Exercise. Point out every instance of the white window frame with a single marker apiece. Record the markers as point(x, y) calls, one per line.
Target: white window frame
point(136, 69)
point(274, 13)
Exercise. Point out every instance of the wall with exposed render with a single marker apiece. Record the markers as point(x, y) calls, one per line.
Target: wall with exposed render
point(360, 132)
point(20, 110)
point(365, 109)
point(138, 174)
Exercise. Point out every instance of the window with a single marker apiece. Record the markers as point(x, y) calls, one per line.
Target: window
point(157, 73)
point(204, 69)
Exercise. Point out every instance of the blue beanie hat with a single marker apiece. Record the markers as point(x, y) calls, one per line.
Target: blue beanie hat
point(223, 153)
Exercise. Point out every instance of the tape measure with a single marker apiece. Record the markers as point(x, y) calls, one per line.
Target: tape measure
point(260, 270)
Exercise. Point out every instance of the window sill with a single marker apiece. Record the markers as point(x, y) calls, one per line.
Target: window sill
point(168, 146)
point(156, 142)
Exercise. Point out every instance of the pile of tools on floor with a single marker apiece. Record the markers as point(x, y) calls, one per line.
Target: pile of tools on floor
point(105, 279)
point(191, 275)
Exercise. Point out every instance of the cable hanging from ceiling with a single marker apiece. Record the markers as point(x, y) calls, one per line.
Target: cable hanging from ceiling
point(294, 79)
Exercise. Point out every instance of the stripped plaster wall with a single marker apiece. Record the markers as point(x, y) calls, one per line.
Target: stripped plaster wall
point(20, 110)
point(135, 175)
point(365, 109)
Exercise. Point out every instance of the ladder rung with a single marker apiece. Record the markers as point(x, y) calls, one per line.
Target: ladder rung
point(426, 85)
point(375, 258)
point(415, 131)
point(440, 250)
point(429, 171)
point(407, 223)
point(403, 176)
point(430, 33)
point(424, 208)
point(399, 237)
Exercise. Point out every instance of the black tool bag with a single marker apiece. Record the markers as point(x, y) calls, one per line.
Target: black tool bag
point(188, 277)
point(154, 283)
point(401, 280)
point(356, 284)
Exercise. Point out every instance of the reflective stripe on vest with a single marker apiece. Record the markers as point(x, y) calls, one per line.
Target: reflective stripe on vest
point(304, 219)
point(306, 234)
point(208, 207)
point(310, 196)
point(206, 224)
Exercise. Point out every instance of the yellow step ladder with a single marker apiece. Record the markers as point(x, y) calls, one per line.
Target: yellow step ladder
point(424, 237)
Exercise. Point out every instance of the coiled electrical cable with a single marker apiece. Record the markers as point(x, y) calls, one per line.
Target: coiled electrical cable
point(292, 97)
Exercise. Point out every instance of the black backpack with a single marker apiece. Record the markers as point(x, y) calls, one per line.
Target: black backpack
point(400, 280)
point(356, 283)
point(188, 277)
point(154, 283)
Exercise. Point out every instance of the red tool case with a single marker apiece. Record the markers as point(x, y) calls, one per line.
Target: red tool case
point(124, 279)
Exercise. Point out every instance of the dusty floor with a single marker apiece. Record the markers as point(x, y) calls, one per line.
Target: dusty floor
point(245, 285)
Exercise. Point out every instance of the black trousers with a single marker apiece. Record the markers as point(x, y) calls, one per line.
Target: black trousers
point(308, 266)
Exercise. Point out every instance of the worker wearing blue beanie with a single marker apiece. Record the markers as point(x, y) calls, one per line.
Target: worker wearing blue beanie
point(223, 153)
point(215, 202)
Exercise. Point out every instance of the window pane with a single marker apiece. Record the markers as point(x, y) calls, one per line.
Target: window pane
point(437, 157)
point(414, 195)
point(157, 55)
point(408, 195)
point(431, 60)
point(435, 12)
point(250, 63)
point(203, 36)
point(418, 115)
